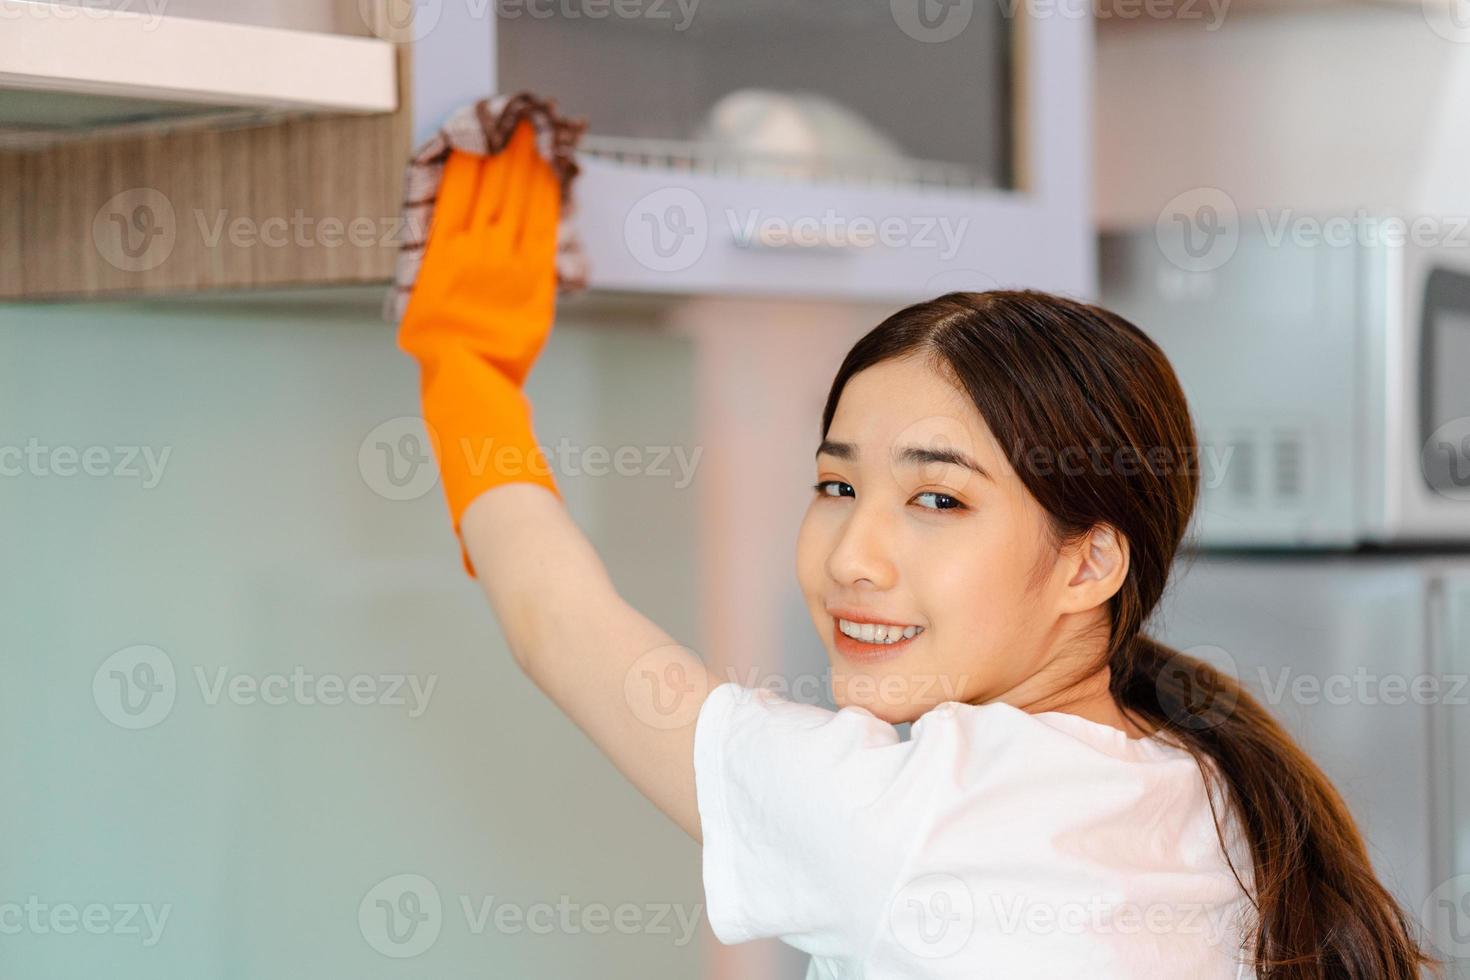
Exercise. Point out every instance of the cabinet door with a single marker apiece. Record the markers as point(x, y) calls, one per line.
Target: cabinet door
point(198, 144)
point(329, 16)
point(827, 87)
point(831, 150)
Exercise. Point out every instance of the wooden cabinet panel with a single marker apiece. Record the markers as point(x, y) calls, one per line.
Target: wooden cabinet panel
point(300, 200)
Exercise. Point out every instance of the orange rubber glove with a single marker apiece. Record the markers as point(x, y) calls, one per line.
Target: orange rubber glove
point(480, 312)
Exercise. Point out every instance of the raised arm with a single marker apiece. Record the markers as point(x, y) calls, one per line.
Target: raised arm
point(480, 312)
point(623, 680)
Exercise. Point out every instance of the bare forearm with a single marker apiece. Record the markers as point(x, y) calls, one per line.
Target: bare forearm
point(620, 677)
point(536, 566)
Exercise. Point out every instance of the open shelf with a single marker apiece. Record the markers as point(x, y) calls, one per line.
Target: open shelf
point(68, 71)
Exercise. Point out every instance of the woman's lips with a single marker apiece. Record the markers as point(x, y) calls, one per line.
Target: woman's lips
point(868, 653)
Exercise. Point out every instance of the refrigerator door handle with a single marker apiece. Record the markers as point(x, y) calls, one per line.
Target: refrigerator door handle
point(1447, 907)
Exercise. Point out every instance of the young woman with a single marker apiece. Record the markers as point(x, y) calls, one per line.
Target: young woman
point(1001, 485)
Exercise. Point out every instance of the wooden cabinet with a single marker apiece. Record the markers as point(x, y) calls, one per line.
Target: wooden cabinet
point(143, 151)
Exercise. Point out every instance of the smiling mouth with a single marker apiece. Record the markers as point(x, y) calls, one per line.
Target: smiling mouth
point(877, 632)
point(873, 642)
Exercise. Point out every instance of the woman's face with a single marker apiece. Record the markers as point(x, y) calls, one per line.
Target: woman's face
point(900, 536)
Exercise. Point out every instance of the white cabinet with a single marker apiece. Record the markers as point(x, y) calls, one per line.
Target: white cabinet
point(866, 150)
point(69, 69)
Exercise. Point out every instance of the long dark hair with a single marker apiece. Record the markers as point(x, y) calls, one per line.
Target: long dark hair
point(1049, 374)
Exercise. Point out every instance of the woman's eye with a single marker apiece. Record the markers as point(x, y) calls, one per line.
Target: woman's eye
point(952, 504)
point(821, 488)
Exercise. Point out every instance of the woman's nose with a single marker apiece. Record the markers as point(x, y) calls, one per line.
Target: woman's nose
point(863, 551)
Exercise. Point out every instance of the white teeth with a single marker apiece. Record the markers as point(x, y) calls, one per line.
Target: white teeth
point(876, 633)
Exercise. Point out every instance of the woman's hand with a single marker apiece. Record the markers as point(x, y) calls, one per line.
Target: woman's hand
point(488, 277)
point(480, 312)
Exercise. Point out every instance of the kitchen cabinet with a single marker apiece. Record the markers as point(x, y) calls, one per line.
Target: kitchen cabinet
point(868, 150)
point(69, 69)
point(864, 151)
point(148, 148)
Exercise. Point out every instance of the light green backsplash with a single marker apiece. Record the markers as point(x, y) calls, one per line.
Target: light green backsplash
point(262, 548)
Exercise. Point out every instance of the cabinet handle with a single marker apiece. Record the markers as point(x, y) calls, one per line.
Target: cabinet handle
point(791, 240)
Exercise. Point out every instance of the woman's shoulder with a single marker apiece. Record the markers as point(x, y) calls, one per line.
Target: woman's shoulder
point(1056, 730)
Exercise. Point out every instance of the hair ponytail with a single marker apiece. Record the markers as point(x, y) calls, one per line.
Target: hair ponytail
point(1320, 910)
point(1051, 375)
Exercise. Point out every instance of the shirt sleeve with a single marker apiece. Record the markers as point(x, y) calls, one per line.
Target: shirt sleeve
point(808, 816)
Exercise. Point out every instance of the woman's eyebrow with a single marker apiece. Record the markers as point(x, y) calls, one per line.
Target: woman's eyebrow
point(910, 455)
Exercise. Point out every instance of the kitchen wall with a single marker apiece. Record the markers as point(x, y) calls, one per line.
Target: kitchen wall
point(202, 538)
point(1310, 110)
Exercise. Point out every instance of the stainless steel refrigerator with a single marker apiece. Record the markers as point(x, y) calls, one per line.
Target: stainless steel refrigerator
point(1366, 660)
point(1329, 562)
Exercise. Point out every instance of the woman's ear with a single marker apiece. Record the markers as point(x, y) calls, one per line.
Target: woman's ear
point(1101, 565)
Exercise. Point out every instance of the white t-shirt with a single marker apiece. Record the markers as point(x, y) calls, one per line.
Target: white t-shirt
point(991, 843)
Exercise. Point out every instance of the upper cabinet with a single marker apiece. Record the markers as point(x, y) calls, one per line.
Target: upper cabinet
point(72, 70)
point(863, 149)
point(150, 146)
point(825, 89)
point(879, 149)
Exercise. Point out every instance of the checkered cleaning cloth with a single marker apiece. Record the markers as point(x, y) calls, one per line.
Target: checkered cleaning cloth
point(485, 128)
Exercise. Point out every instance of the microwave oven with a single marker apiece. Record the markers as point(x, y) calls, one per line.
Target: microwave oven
point(1329, 379)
